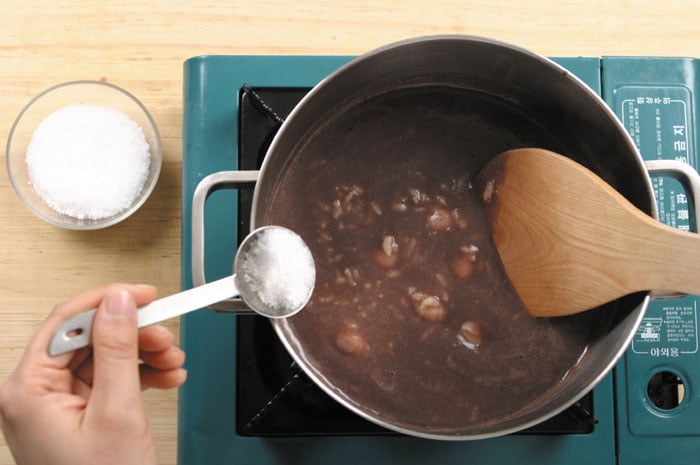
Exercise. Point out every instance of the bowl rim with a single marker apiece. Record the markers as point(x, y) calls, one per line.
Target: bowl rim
point(156, 156)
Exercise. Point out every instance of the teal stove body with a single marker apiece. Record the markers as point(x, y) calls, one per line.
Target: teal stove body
point(647, 410)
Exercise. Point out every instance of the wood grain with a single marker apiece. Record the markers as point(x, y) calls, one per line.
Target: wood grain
point(140, 45)
point(569, 242)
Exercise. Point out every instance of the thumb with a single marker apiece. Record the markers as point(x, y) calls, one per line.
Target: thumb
point(116, 388)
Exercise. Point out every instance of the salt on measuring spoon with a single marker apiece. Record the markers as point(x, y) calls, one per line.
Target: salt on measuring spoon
point(273, 272)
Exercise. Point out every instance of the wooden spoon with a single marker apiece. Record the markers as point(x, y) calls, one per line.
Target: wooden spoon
point(569, 242)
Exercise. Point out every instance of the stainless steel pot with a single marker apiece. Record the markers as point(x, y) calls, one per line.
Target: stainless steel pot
point(543, 91)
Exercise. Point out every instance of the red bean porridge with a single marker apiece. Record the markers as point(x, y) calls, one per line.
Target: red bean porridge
point(412, 317)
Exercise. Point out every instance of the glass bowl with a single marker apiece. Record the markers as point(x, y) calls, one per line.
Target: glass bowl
point(64, 95)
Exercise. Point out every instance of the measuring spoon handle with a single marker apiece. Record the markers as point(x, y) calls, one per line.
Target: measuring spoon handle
point(76, 331)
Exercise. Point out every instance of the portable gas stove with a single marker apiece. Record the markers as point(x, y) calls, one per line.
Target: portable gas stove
point(245, 400)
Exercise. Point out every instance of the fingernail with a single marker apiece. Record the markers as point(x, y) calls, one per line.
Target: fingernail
point(145, 286)
point(120, 303)
point(179, 351)
point(160, 328)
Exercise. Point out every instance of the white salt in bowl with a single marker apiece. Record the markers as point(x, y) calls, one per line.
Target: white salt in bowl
point(84, 155)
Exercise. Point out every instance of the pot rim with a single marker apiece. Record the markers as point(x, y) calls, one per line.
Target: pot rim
point(297, 353)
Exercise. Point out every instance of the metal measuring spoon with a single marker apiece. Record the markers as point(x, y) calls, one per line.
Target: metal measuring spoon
point(273, 272)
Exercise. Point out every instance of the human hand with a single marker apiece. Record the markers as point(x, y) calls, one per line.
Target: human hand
point(86, 407)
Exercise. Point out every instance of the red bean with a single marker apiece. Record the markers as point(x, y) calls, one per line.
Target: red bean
point(462, 267)
point(350, 341)
point(373, 212)
point(387, 255)
point(460, 219)
point(440, 219)
point(471, 332)
point(464, 264)
point(428, 307)
point(399, 207)
point(416, 196)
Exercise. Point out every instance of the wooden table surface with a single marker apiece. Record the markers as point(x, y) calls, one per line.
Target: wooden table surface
point(140, 45)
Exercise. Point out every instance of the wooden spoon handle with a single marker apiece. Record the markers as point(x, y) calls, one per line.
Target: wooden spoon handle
point(572, 245)
point(622, 254)
point(667, 259)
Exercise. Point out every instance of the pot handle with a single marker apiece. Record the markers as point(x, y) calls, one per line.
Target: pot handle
point(209, 184)
point(690, 179)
